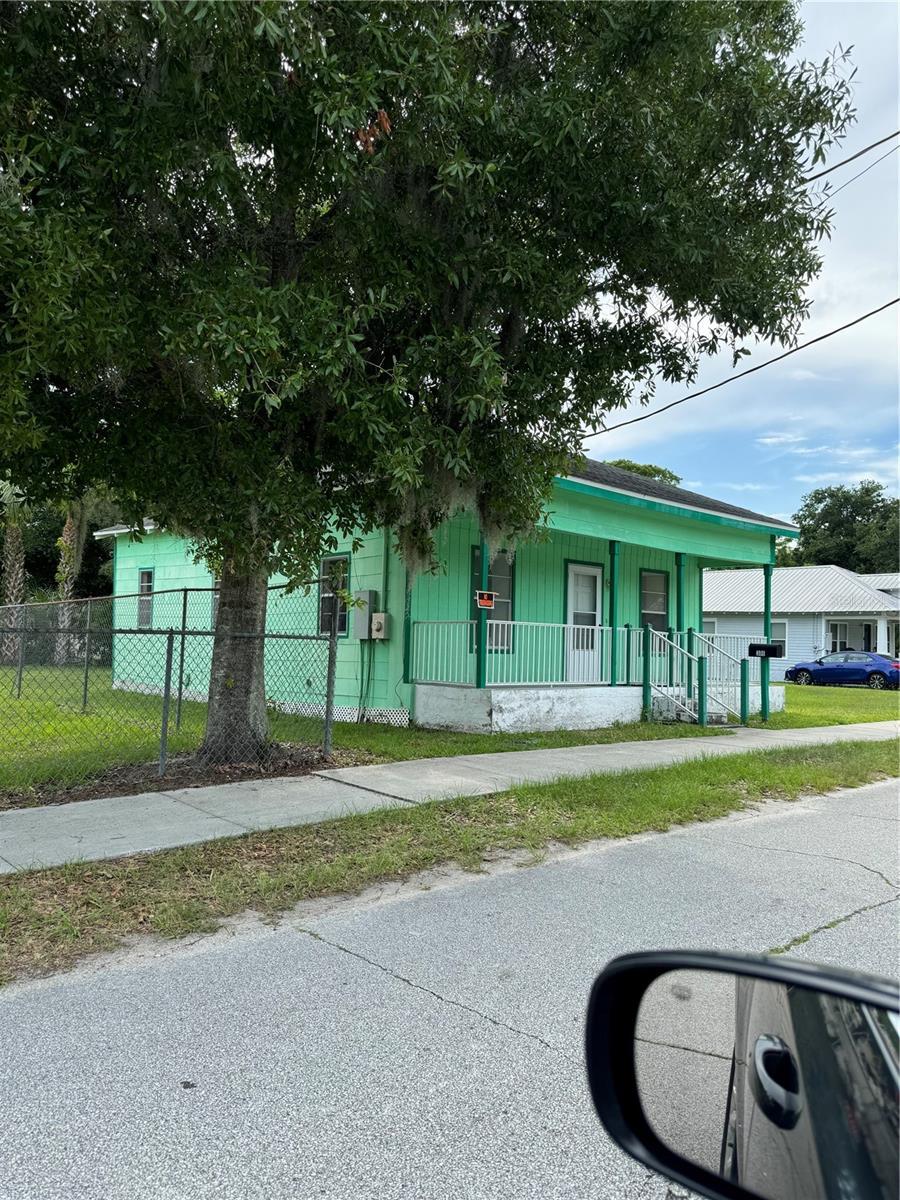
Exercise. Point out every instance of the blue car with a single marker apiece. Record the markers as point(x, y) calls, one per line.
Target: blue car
point(848, 667)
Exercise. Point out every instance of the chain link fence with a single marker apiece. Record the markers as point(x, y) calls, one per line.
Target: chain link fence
point(93, 686)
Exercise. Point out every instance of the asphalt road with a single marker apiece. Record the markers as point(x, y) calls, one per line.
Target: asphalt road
point(416, 1042)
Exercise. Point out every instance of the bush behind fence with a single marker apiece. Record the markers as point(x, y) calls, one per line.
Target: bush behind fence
point(88, 685)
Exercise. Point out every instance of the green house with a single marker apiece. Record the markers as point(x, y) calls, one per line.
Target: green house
point(597, 620)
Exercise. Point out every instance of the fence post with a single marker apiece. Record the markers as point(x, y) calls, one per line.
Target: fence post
point(167, 696)
point(20, 661)
point(87, 658)
point(646, 700)
point(745, 690)
point(628, 654)
point(329, 687)
point(184, 608)
point(702, 717)
point(690, 665)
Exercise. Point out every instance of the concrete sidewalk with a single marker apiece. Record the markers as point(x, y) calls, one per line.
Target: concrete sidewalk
point(117, 826)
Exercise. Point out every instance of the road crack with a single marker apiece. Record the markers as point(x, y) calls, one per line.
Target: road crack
point(420, 987)
point(850, 862)
point(802, 938)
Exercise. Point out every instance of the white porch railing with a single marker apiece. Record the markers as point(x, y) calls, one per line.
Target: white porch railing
point(735, 645)
point(692, 673)
point(443, 652)
point(526, 653)
point(675, 675)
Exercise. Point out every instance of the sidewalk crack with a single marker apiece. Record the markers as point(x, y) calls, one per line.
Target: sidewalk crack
point(802, 938)
point(420, 987)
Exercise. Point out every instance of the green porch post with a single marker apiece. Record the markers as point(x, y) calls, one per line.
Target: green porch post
point(645, 672)
point(702, 717)
point(765, 664)
point(481, 646)
point(614, 612)
point(700, 596)
point(679, 592)
point(690, 664)
point(628, 654)
point(407, 627)
point(745, 691)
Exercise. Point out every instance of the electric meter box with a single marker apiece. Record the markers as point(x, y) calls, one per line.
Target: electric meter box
point(365, 603)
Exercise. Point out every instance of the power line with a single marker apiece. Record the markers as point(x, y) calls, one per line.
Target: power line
point(881, 158)
point(741, 374)
point(844, 161)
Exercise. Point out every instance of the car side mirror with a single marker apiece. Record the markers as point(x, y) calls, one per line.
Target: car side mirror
point(746, 1078)
point(819, 661)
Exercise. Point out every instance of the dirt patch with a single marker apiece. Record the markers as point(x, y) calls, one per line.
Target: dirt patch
point(184, 771)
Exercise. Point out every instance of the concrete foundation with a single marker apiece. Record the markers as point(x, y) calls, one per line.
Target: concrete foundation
point(540, 709)
point(523, 709)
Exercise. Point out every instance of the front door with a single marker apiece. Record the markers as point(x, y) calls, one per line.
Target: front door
point(584, 648)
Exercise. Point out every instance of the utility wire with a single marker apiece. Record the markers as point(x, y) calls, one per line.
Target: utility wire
point(844, 161)
point(831, 195)
point(741, 374)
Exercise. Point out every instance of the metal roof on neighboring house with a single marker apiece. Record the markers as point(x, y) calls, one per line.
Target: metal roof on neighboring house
point(825, 589)
point(115, 530)
point(606, 475)
point(884, 581)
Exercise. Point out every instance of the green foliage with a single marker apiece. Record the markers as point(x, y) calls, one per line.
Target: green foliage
point(262, 265)
point(854, 527)
point(649, 470)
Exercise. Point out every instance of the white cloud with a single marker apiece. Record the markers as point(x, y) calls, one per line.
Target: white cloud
point(747, 487)
point(801, 375)
point(780, 439)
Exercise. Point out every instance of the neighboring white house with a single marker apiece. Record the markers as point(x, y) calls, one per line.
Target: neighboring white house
point(815, 610)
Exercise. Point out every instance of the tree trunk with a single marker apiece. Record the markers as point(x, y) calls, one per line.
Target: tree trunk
point(71, 549)
point(236, 725)
point(13, 588)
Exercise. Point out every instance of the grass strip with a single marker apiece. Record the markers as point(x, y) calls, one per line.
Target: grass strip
point(51, 918)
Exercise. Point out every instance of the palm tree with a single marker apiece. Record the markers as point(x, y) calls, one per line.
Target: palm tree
point(71, 548)
point(13, 579)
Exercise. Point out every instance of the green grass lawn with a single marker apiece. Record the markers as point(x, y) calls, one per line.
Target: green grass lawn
point(51, 918)
point(47, 738)
point(805, 706)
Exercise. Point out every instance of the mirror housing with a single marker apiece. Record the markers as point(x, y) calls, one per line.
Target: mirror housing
point(610, 1031)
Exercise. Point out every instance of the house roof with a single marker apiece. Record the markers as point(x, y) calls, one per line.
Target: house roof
point(884, 581)
point(115, 530)
point(608, 476)
point(825, 589)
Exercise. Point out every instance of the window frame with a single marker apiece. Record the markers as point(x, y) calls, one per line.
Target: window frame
point(506, 635)
point(668, 578)
point(783, 642)
point(342, 608)
point(145, 598)
point(709, 621)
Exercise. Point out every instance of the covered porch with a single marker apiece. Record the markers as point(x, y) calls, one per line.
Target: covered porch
point(585, 630)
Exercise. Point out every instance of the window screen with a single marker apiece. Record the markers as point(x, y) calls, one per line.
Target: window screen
point(655, 600)
point(334, 576)
point(145, 599)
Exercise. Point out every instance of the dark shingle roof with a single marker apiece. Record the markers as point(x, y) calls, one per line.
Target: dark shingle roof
point(626, 481)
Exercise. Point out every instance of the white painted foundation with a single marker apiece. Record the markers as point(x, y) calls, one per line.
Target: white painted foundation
point(540, 709)
point(523, 709)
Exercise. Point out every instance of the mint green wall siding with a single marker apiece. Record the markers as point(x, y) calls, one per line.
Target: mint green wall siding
point(581, 525)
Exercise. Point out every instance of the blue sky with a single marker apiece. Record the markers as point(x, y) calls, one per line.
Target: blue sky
point(828, 414)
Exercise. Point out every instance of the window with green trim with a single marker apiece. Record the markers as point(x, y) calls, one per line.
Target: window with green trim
point(655, 600)
point(334, 577)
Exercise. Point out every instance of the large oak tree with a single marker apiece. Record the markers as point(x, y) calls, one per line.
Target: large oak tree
point(266, 266)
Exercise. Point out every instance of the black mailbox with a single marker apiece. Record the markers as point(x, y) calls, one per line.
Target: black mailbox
point(764, 650)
